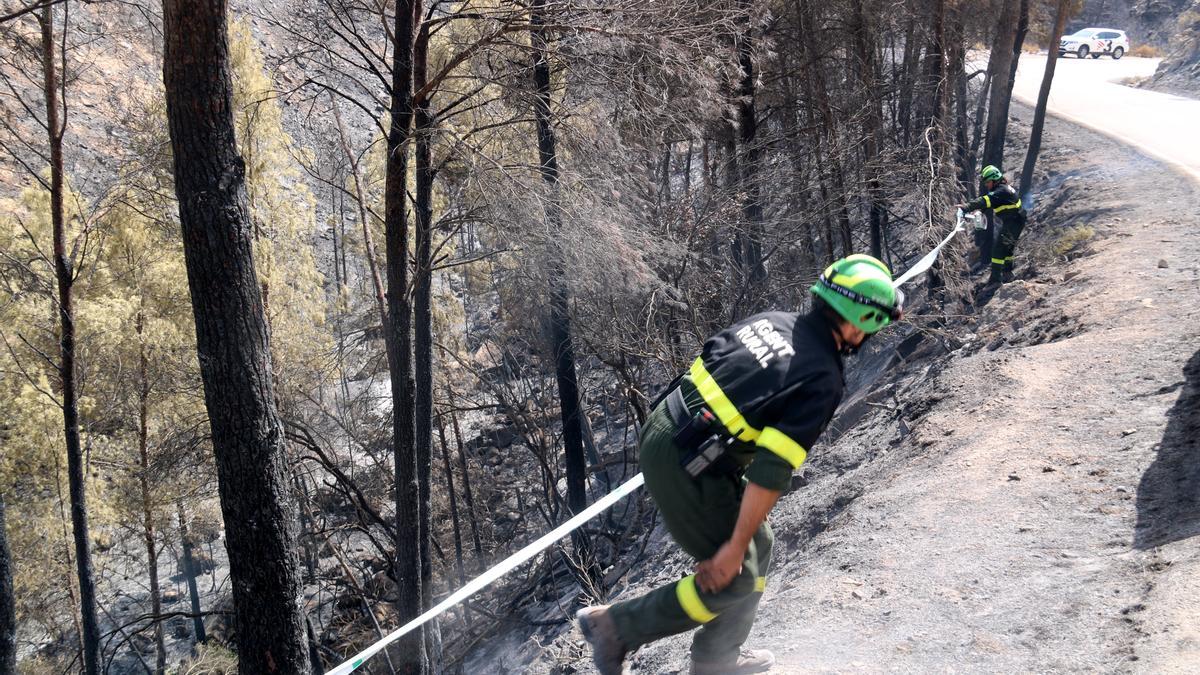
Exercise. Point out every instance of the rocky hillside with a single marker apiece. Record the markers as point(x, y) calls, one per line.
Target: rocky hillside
point(1149, 22)
point(1180, 70)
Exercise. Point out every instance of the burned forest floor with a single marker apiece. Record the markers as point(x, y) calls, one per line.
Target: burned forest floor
point(1017, 490)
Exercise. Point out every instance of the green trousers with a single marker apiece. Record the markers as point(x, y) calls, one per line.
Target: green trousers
point(1002, 254)
point(700, 514)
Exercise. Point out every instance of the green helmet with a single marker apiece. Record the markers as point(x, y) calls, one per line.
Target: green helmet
point(859, 288)
point(990, 172)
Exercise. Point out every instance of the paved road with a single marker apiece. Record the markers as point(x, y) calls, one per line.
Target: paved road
point(1090, 92)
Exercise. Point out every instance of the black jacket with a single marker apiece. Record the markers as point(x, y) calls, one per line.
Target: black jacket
point(774, 381)
point(1004, 202)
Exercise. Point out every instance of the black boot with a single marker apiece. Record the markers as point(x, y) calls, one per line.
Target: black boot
point(1007, 275)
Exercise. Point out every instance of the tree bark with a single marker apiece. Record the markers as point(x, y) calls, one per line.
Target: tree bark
point(1039, 112)
point(934, 85)
point(454, 519)
point(232, 340)
point(1000, 71)
point(410, 649)
point(1018, 44)
point(66, 368)
point(423, 325)
point(160, 646)
point(560, 318)
point(8, 610)
point(189, 573)
point(957, 48)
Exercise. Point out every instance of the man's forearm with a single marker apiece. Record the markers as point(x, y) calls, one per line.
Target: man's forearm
point(757, 502)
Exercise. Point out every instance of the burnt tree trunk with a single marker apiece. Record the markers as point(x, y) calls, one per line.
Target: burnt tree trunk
point(423, 326)
point(1039, 111)
point(65, 276)
point(1000, 72)
point(957, 49)
point(977, 131)
point(560, 317)
point(454, 519)
point(8, 609)
point(232, 340)
point(1018, 44)
point(470, 499)
point(410, 649)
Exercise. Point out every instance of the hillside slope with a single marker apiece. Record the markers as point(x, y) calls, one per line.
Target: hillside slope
point(1027, 501)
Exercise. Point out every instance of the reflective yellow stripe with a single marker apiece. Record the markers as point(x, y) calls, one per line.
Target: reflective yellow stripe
point(987, 200)
point(1006, 207)
point(1008, 259)
point(997, 261)
point(760, 584)
point(781, 444)
point(720, 404)
point(689, 600)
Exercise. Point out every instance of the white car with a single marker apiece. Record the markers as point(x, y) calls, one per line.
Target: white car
point(1095, 42)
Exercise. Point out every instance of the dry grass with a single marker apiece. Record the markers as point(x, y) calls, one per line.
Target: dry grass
point(1146, 51)
point(1072, 240)
point(209, 659)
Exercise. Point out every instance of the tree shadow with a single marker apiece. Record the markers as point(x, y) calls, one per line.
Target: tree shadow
point(1168, 497)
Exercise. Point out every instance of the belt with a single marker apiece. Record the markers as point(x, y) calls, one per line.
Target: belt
point(681, 417)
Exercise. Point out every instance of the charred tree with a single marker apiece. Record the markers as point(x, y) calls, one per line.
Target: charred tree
point(412, 657)
point(1018, 45)
point(454, 519)
point(1039, 111)
point(750, 244)
point(232, 340)
point(467, 495)
point(561, 342)
point(65, 275)
point(1000, 72)
point(424, 125)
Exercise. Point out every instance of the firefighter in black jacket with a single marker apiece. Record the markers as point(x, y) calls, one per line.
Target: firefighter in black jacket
point(719, 449)
point(1005, 204)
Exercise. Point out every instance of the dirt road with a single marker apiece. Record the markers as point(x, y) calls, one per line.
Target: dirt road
point(1029, 501)
point(1093, 92)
